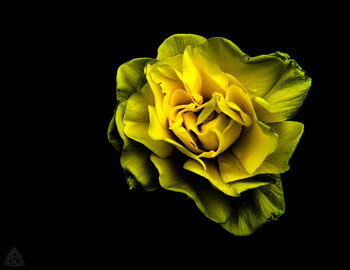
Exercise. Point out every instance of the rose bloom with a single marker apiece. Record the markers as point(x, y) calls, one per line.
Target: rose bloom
point(209, 121)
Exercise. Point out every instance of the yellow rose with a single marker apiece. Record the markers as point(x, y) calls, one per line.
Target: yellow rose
point(207, 120)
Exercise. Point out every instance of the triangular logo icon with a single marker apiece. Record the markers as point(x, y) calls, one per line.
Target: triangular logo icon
point(14, 259)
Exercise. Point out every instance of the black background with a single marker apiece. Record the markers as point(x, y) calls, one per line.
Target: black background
point(64, 200)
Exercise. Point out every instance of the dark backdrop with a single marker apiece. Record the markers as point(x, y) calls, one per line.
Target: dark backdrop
point(64, 199)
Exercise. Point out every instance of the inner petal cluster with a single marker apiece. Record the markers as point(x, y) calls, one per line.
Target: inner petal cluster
point(205, 108)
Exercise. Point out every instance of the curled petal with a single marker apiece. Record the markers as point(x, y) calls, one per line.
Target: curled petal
point(176, 44)
point(135, 157)
point(212, 203)
point(254, 145)
point(128, 77)
point(157, 132)
point(263, 112)
point(234, 188)
point(289, 134)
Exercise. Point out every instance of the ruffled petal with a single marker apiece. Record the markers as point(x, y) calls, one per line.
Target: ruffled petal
point(276, 78)
point(129, 76)
point(212, 173)
point(289, 134)
point(139, 132)
point(157, 132)
point(230, 168)
point(135, 157)
point(176, 44)
point(255, 207)
point(254, 145)
point(137, 106)
point(211, 202)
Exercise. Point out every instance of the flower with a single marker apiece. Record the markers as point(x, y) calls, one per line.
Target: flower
point(209, 121)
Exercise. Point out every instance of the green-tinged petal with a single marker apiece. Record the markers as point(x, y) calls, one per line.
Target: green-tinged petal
point(259, 73)
point(113, 135)
point(135, 157)
point(137, 106)
point(129, 76)
point(255, 207)
point(212, 174)
point(289, 134)
point(135, 160)
point(230, 168)
point(263, 111)
point(288, 94)
point(211, 202)
point(120, 124)
point(176, 44)
point(276, 78)
point(233, 188)
point(254, 145)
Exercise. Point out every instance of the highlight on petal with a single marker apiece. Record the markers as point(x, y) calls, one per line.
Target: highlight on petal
point(255, 145)
point(176, 44)
point(255, 207)
point(128, 77)
point(263, 112)
point(137, 106)
point(211, 202)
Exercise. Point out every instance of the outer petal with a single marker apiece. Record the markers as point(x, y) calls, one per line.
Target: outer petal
point(128, 77)
point(234, 188)
point(135, 157)
point(176, 44)
point(289, 134)
point(255, 207)
point(278, 79)
point(212, 203)
point(254, 146)
point(288, 94)
point(113, 135)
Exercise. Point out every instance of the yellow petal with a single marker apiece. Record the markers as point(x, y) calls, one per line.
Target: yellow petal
point(289, 134)
point(137, 106)
point(213, 78)
point(191, 77)
point(139, 132)
point(254, 145)
point(157, 132)
point(230, 168)
point(232, 110)
point(212, 174)
point(158, 96)
point(233, 189)
point(238, 96)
